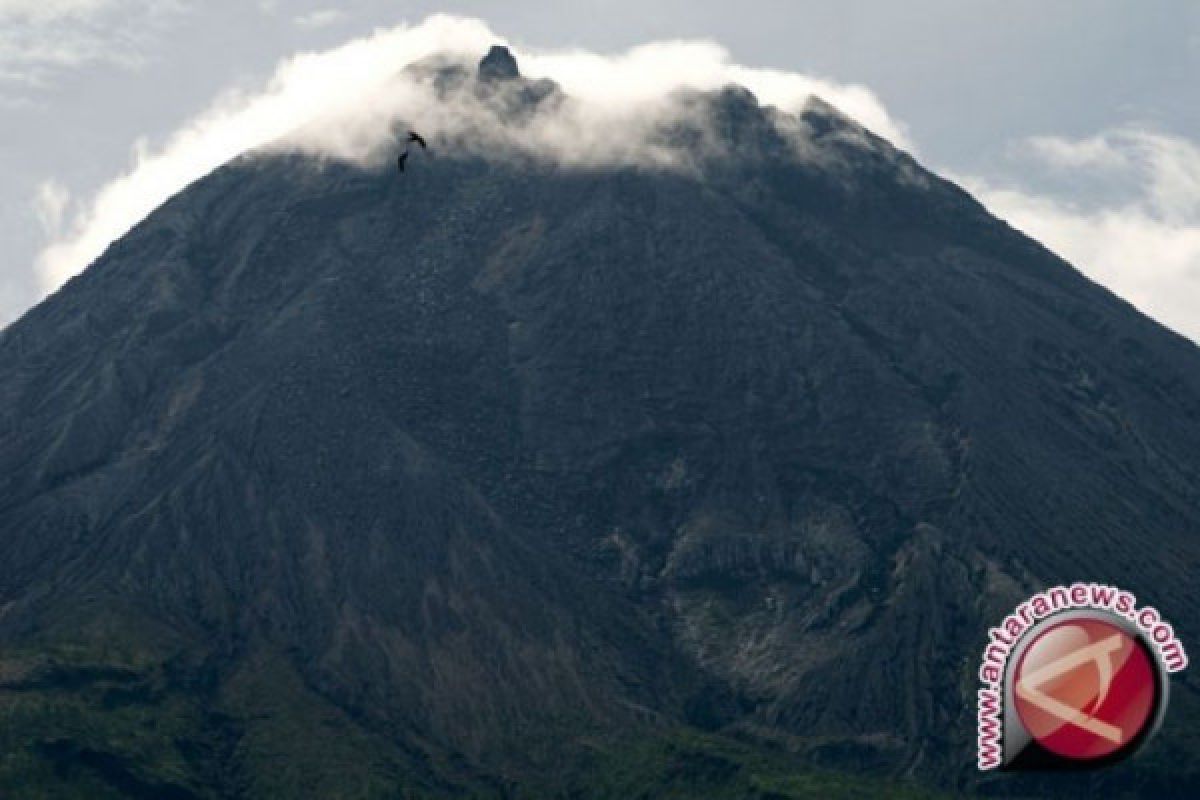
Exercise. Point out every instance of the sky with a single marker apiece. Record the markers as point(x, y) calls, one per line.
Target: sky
point(1077, 120)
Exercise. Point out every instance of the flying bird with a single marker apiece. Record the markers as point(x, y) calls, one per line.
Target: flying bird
point(413, 136)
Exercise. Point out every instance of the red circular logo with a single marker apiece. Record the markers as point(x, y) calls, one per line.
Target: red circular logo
point(1085, 688)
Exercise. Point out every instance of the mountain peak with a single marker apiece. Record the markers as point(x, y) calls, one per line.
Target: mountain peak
point(498, 64)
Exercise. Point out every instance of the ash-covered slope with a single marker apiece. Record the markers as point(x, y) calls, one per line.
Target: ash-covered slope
point(502, 476)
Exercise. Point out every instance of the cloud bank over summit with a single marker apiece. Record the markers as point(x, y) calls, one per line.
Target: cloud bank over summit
point(1139, 235)
point(346, 102)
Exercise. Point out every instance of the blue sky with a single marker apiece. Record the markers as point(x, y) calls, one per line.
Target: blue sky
point(1077, 121)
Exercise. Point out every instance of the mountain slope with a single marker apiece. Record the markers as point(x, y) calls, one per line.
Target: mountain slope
point(326, 481)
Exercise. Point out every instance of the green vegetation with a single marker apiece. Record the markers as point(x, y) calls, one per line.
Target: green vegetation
point(73, 726)
point(101, 721)
point(685, 764)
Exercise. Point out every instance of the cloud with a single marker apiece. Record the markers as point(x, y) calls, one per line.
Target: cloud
point(648, 72)
point(46, 10)
point(39, 39)
point(321, 18)
point(1093, 152)
point(1144, 245)
point(302, 88)
point(344, 103)
point(1140, 237)
point(50, 205)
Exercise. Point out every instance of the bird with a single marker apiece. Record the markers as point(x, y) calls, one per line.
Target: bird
point(413, 136)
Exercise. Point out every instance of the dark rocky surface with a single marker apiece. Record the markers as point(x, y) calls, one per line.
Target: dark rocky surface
point(321, 482)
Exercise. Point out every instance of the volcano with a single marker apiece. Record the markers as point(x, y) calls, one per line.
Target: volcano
point(513, 479)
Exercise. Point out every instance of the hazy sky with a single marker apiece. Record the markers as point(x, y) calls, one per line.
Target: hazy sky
point(1077, 120)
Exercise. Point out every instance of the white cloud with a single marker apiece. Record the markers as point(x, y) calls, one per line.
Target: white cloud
point(30, 57)
point(50, 206)
point(41, 38)
point(344, 102)
point(321, 18)
point(1166, 169)
point(42, 11)
point(648, 72)
point(1093, 152)
point(1145, 246)
point(1143, 241)
point(301, 88)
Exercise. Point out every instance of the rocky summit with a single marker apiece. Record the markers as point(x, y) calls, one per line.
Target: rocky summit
point(509, 479)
